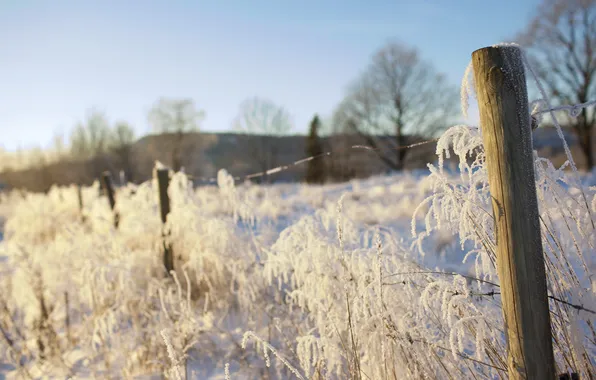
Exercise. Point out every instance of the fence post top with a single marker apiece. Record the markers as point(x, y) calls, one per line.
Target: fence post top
point(510, 48)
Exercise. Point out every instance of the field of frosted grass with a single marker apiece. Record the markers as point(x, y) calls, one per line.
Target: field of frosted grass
point(224, 235)
point(287, 281)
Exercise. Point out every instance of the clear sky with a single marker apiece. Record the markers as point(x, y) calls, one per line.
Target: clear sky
point(60, 58)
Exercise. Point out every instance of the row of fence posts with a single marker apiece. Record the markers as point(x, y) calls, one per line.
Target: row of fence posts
point(507, 137)
point(163, 181)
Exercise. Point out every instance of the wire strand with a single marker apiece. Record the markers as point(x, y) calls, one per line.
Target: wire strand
point(285, 167)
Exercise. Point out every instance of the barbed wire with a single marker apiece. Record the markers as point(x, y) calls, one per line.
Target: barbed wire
point(285, 167)
point(573, 110)
point(491, 293)
point(535, 115)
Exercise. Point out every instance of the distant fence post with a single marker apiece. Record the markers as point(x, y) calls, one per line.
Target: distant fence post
point(80, 196)
point(163, 180)
point(106, 180)
point(504, 117)
point(67, 317)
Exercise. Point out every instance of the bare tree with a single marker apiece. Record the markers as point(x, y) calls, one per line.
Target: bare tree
point(561, 41)
point(265, 121)
point(90, 138)
point(89, 141)
point(398, 94)
point(43, 180)
point(98, 131)
point(121, 141)
point(176, 118)
point(79, 142)
point(58, 146)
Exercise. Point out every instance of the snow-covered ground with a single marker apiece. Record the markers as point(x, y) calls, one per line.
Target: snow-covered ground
point(226, 237)
point(285, 281)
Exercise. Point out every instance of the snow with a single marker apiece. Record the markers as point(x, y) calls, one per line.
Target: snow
point(280, 263)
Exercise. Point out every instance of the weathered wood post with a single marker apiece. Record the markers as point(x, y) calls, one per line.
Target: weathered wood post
point(80, 196)
point(106, 180)
point(81, 206)
point(163, 181)
point(504, 117)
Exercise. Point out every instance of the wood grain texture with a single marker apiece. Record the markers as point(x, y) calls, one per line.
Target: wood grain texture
point(506, 132)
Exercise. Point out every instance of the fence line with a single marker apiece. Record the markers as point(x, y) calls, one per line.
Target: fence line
point(508, 123)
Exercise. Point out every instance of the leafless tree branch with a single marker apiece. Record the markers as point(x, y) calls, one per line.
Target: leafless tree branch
point(398, 94)
point(561, 40)
point(266, 120)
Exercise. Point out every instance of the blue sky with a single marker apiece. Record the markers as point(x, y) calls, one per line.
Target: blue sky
point(58, 58)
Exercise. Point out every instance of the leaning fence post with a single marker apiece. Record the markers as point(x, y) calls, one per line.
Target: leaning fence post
point(504, 117)
point(106, 180)
point(163, 181)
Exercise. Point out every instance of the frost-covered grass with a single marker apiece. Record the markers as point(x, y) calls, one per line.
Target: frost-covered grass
point(393, 277)
point(118, 298)
point(330, 281)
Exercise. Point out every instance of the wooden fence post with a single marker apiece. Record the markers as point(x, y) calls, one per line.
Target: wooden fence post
point(67, 318)
point(80, 196)
point(106, 179)
point(163, 181)
point(505, 120)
